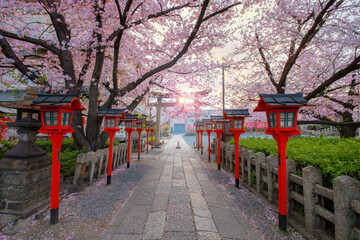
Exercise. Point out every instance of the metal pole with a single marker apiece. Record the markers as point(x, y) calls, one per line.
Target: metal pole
point(223, 88)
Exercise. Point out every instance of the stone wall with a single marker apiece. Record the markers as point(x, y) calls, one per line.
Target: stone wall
point(314, 210)
point(91, 165)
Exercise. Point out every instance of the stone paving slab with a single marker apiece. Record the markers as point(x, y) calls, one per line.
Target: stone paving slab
point(228, 225)
point(160, 202)
point(179, 218)
point(155, 225)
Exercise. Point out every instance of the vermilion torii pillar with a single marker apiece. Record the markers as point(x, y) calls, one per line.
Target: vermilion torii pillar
point(236, 118)
point(219, 129)
point(282, 111)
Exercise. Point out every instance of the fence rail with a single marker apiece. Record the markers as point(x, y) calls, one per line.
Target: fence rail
point(324, 213)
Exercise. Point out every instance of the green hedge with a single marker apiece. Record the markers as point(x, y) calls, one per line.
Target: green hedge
point(68, 155)
point(333, 156)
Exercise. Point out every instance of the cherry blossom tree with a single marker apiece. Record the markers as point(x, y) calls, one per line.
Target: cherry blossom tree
point(115, 50)
point(289, 46)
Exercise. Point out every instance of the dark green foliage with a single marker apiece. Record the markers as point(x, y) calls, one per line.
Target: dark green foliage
point(68, 161)
point(333, 156)
point(115, 143)
point(68, 155)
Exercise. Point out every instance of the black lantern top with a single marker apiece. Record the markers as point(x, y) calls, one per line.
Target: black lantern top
point(280, 100)
point(112, 112)
point(233, 113)
point(58, 100)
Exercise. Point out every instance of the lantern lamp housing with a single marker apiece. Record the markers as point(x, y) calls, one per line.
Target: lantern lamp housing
point(219, 123)
point(128, 124)
point(56, 111)
point(129, 121)
point(112, 118)
point(110, 122)
point(236, 117)
point(281, 111)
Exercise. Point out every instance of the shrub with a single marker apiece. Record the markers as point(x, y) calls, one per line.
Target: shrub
point(68, 155)
point(333, 156)
point(6, 145)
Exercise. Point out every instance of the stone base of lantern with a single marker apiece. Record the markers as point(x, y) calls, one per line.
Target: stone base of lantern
point(25, 177)
point(135, 145)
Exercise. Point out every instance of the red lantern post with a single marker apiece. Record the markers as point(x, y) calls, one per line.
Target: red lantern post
point(147, 129)
point(112, 121)
point(2, 127)
point(129, 122)
point(208, 129)
point(56, 116)
point(139, 129)
point(282, 111)
point(236, 117)
point(219, 129)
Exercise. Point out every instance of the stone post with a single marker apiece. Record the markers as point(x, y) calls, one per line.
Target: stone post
point(100, 157)
point(346, 189)
point(243, 152)
point(259, 158)
point(311, 176)
point(80, 168)
point(290, 168)
point(91, 157)
point(249, 156)
point(271, 163)
point(106, 156)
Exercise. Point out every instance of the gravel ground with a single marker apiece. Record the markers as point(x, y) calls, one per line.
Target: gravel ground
point(86, 214)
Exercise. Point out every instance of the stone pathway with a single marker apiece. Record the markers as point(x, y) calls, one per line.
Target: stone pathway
point(169, 194)
point(179, 199)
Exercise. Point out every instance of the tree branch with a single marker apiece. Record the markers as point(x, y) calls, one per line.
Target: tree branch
point(354, 65)
point(266, 65)
point(172, 62)
point(331, 123)
point(35, 41)
point(140, 21)
point(319, 21)
point(7, 50)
